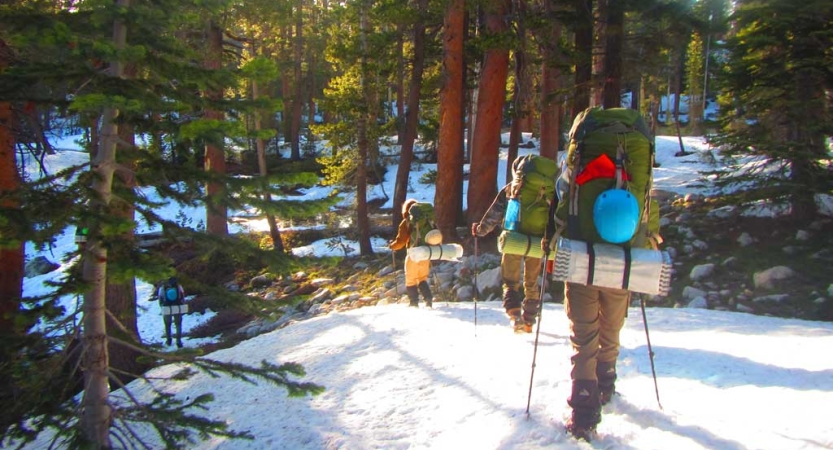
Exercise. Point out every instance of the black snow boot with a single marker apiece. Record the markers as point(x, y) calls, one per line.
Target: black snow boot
point(530, 308)
point(511, 299)
point(413, 295)
point(587, 410)
point(606, 373)
point(426, 294)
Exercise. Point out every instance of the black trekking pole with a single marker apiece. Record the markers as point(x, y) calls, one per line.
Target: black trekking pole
point(650, 350)
point(538, 328)
point(476, 250)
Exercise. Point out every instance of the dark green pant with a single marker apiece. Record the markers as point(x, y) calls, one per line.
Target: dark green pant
point(177, 320)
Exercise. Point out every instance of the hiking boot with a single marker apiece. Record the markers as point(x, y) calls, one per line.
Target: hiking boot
point(425, 290)
point(583, 433)
point(168, 341)
point(606, 373)
point(605, 395)
point(511, 300)
point(530, 310)
point(179, 343)
point(522, 327)
point(587, 411)
point(413, 295)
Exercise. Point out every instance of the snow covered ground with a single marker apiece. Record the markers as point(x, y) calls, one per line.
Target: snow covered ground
point(400, 378)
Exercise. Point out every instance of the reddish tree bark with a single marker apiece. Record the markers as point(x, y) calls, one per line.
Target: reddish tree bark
point(448, 198)
point(584, 55)
point(552, 103)
point(11, 258)
point(490, 101)
point(612, 95)
point(215, 161)
point(599, 52)
point(411, 117)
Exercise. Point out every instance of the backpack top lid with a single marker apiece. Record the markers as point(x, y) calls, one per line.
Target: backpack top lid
point(616, 215)
point(434, 237)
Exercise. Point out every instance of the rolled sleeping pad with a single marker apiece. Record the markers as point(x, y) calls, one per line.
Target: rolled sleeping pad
point(445, 252)
point(515, 243)
point(606, 265)
point(174, 310)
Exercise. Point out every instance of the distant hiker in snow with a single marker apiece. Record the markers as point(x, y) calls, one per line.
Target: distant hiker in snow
point(521, 207)
point(417, 221)
point(171, 298)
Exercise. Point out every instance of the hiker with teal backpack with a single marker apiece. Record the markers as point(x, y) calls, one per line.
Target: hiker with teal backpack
point(604, 202)
point(417, 222)
point(171, 298)
point(521, 208)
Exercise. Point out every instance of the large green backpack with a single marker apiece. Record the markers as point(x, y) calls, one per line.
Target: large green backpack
point(421, 218)
point(604, 143)
point(533, 186)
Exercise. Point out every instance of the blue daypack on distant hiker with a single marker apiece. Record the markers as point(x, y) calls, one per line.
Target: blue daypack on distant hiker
point(170, 293)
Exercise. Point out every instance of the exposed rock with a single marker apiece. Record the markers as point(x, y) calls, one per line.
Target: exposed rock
point(774, 298)
point(790, 250)
point(261, 281)
point(802, 235)
point(690, 293)
point(701, 271)
point(39, 266)
point(723, 212)
point(767, 278)
point(319, 282)
point(698, 302)
point(731, 262)
point(745, 239)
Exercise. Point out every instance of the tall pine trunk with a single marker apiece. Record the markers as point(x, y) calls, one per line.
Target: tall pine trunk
point(121, 295)
point(600, 24)
point(449, 192)
point(362, 221)
point(298, 96)
point(552, 103)
point(584, 55)
point(274, 231)
point(215, 161)
point(411, 116)
point(491, 99)
point(519, 92)
point(11, 257)
point(612, 92)
point(96, 412)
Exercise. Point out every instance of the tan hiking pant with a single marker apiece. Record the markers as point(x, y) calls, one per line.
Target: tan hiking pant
point(416, 271)
point(510, 266)
point(596, 316)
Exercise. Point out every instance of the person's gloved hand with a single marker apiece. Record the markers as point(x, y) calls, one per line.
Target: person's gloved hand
point(545, 244)
point(475, 228)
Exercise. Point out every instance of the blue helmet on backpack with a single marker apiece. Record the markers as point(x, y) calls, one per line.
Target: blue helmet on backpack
point(616, 215)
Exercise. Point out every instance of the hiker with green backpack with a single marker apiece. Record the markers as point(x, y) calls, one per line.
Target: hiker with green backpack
point(171, 298)
point(521, 208)
point(417, 222)
point(604, 203)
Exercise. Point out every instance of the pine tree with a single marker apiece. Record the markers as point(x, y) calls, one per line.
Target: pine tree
point(58, 53)
point(775, 115)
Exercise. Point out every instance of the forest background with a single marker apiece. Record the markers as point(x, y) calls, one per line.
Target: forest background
point(195, 98)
